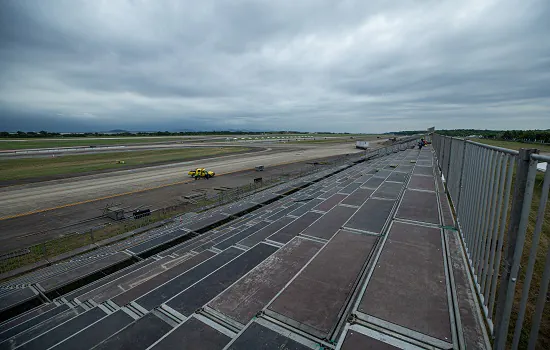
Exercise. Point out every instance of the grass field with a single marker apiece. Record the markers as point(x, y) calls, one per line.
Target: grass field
point(70, 242)
point(9, 144)
point(341, 139)
point(17, 169)
point(543, 246)
point(320, 141)
point(514, 145)
point(16, 144)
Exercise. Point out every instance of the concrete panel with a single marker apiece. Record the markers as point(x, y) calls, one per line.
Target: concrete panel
point(350, 188)
point(408, 285)
point(358, 197)
point(141, 289)
point(355, 340)
point(330, 223)
point(372, 215)
point(419, 206)
point(248, 296)
point(31, 322)
point(258, 337)
point(382, 173)
point(94, 334)
point(66, 278)
point(241, 235)
point(373, 182)
point(422, 183)
point(65, 330)
point(131, 280)
point(316, 297)
point(9, 302)
point(265, 232)
point(138, 335)
point(108, 279)
point(333, 190)
point(202, 225)
point(423, 170)
point(306, 207)
point(157, 241)
point(290, 231)
point(239, 208)
point(283, 212)
point(161, 294)
point(389, 190)
point(330, 202)
point(193, 334)
point(398, 177)
point(404, 167)
point(42, 327)
point(200, 293)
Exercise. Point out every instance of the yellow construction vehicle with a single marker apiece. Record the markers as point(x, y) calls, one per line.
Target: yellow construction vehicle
point(201, 173)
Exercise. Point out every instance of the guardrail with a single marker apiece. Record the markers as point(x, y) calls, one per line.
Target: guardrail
point(505, 233)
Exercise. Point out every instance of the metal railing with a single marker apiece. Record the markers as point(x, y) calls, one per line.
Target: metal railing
point(505, 233)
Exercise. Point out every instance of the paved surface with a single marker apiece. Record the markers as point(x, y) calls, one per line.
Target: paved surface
point(22, 231)
point(17, 200)
point(37, 212)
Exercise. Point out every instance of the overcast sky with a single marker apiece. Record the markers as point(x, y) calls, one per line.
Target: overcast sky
point(311, 65)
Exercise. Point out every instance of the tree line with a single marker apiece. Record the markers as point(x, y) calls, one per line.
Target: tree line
point(529, 136)
point(32, 134)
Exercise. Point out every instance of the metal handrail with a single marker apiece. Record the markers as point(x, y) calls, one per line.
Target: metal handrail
point(478, 179)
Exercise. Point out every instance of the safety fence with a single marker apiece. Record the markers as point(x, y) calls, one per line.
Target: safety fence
point(499, 199)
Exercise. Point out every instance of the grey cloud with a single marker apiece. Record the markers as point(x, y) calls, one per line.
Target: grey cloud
point(367, 66)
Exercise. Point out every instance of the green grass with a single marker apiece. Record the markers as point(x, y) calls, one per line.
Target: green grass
point(67, 243)
point(17, 169)
point(70, 242)
point(322, 141)
point(9, 144)
point(543, 341)
point(514, 145)
point(341, 139)
point(29, 143)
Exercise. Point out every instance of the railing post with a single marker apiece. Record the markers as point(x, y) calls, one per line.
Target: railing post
point(461, 175)
point(521, 203)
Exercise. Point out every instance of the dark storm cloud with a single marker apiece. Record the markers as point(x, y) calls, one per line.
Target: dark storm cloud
point(312, 65)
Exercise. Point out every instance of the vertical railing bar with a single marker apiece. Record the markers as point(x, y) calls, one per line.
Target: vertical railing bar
point(449, 158)
point(486, 179)
point(462, 148)
point(478, 209)
point(541, 301)
point(504, 321)
point(503, 221)
point(476, 206)
point(471, 208)
point(491, 220)
point(532, 259)
point(465, 193)
point(488, 214)
point(467, 217)
point(494, 225)
point(463, 217)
